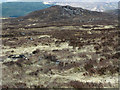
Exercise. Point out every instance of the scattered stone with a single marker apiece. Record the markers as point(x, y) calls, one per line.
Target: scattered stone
point(22, 33)
point(50, 57)
point(12, 51)
point(57, 62)
point(30, 38)
point(16, 56)
point(36, 51)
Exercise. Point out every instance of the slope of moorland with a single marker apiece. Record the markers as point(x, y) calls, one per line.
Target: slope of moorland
point(60, 47)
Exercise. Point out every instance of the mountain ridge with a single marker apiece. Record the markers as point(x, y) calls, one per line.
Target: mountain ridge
point(61, 13)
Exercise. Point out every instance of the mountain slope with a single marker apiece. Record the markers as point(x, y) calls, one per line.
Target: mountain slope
point(114, 12)
point(61, 15)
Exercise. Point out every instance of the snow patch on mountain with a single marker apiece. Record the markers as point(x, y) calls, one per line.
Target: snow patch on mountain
point(93, 6)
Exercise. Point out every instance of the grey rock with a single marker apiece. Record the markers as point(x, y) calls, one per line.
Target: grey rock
point(22, 33)
point(16, 56)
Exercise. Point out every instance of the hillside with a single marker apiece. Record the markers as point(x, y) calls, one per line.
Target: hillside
point(16, 9)
point(60, 47)
point(62, 15)
point(113, 12)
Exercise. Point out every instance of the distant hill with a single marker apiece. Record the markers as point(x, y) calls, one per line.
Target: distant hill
point(68, 14)
point(16, 9)
point(114, 12)
point(61, 15)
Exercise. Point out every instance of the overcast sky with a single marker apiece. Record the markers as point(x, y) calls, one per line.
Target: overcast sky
point(61, 0)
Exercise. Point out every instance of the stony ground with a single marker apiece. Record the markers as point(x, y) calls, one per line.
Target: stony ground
point(60, 57)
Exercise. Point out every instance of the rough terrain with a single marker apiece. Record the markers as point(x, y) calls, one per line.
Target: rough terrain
point(60, 56)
